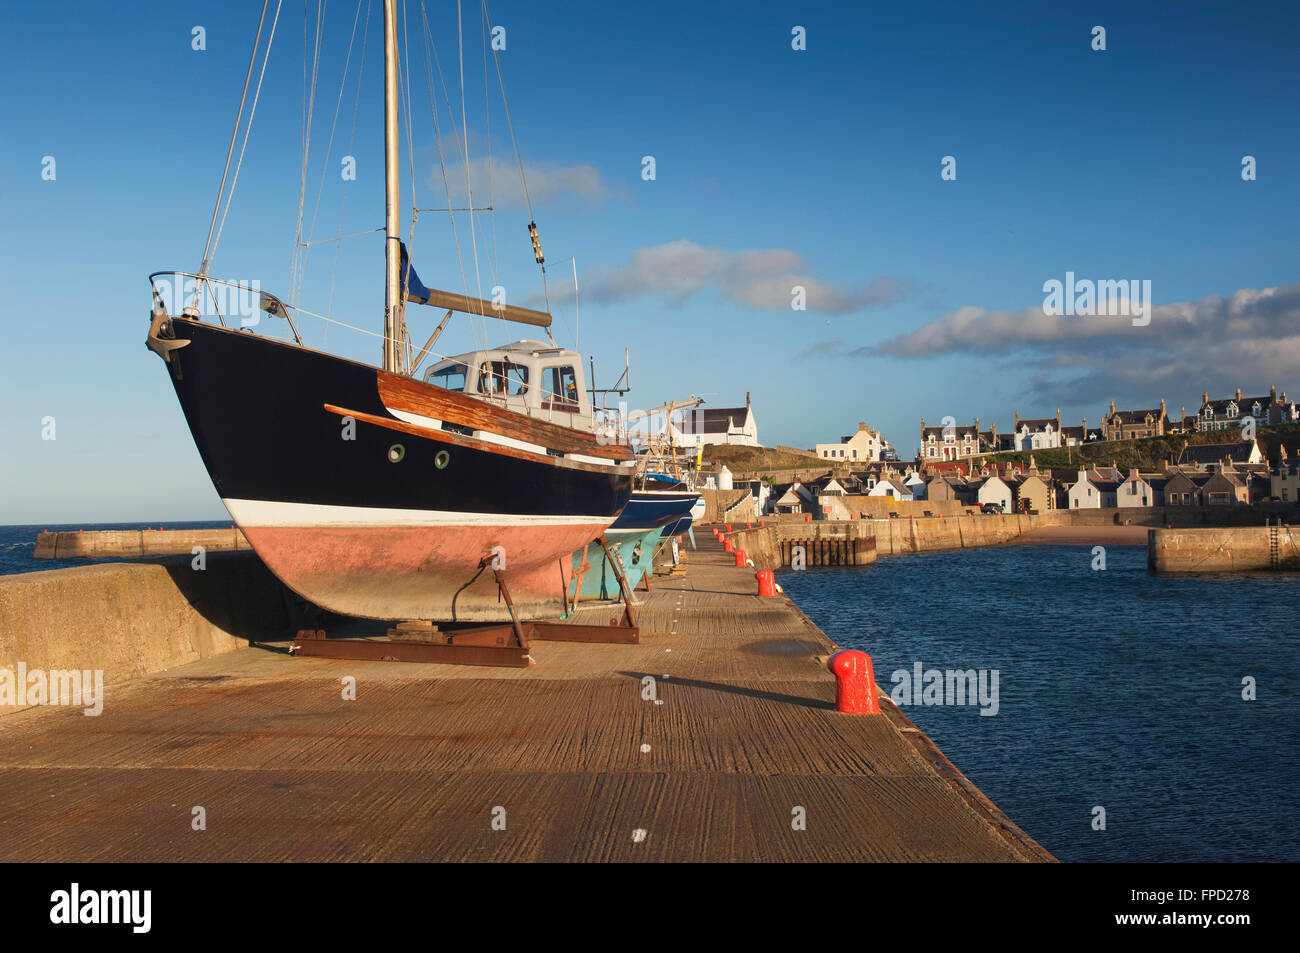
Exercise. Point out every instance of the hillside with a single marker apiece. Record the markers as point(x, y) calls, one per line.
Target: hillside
point(749, 460)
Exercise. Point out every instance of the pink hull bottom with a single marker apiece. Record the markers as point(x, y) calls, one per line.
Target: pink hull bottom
point(425, 572)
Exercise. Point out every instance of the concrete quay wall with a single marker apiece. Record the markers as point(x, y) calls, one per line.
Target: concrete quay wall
point(131, 619)
point(128, 543)
point(768, 545)
point(1223, 549)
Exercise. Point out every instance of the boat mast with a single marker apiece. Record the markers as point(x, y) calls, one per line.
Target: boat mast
point(393, 230)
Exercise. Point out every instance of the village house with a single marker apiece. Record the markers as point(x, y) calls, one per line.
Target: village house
point(1209, 454)
point(791, 498)
point(893, 488)
point(866, 444)
point(1183, 488)
point(992, 489)
point(1135, 491)
point(993, 442)
point(915, 484)
point(950, 486)
point(1228, 412)
point(1030, 492)
point(1038, 433)
point(1093, 491)
point(1134, 424)
point(1225, 487)
point(718, 425)
point(1075, 436)
point(1284, 481)
point(950, 443)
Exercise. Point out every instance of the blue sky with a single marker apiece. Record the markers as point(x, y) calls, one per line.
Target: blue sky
point(773, 166)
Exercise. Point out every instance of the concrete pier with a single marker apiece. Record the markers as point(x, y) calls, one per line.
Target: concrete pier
point(132, 543)
point(713, 739)
point(1226, 549)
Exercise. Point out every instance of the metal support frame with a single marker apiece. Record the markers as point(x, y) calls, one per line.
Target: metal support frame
point(491, 644)
point(625, 632)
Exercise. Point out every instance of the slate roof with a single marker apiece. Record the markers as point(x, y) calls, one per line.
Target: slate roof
point(1135, 416)
point(1238, 451)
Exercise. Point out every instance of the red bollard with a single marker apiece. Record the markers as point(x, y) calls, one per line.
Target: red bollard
point(728, 527)
point(766, 582)
point(726, 545)
point(748, 526)
point(761, 523)
point(740, 557)
point(807, 517)
point(855, 683)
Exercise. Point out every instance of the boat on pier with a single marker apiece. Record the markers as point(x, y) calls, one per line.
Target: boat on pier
point(371, 490)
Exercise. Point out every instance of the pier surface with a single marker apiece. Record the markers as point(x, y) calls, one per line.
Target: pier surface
point(569, 753)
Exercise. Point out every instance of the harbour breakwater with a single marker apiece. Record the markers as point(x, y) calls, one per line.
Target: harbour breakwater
point(125, 543)
point(1225, 549)
point(859, 542)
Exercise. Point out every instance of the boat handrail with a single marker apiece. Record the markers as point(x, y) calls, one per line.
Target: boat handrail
point(271, 304)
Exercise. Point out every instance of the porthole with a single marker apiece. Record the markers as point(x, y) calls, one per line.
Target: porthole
point(395, 453)
point(442, 459)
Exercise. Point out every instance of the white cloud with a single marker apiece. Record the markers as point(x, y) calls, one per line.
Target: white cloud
point(1251, 337)
point(546, 181)
point(759, 278)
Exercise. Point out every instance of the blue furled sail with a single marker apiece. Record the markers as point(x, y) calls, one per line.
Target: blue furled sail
point(411, 283)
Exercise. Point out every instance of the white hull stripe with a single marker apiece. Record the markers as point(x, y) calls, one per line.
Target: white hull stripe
point(272, 513)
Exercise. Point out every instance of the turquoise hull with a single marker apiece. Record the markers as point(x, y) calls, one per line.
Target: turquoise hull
point(636, 550)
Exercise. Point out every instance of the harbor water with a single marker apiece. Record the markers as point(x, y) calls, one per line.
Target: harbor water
point(1117, 689)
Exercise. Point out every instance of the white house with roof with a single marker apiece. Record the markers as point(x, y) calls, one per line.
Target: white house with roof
point(714, 425)
point(1135, 491)
point(891, 487)
point(1093, 491)
point(916, 484)
point(993, 489)
point(1036, 433)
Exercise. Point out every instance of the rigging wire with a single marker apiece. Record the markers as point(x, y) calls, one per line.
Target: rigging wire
point(234, 134)
point(431, 48)
point(247, 131)
point(487, 123)
point(519, 162)
point(329, 147)
point(296, 263)
point(356, 110)
point(464, 131)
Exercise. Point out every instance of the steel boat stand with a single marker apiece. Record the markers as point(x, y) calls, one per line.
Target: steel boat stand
point(492, 644)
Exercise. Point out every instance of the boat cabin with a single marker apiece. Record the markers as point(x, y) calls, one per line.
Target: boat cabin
point(528, 377)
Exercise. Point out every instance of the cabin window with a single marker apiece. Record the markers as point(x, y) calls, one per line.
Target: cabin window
point(448, 377)
point(561, 385)
point(502, 378)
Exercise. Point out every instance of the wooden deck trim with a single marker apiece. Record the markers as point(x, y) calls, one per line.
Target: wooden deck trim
point(415, 397)
point(474, 443)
